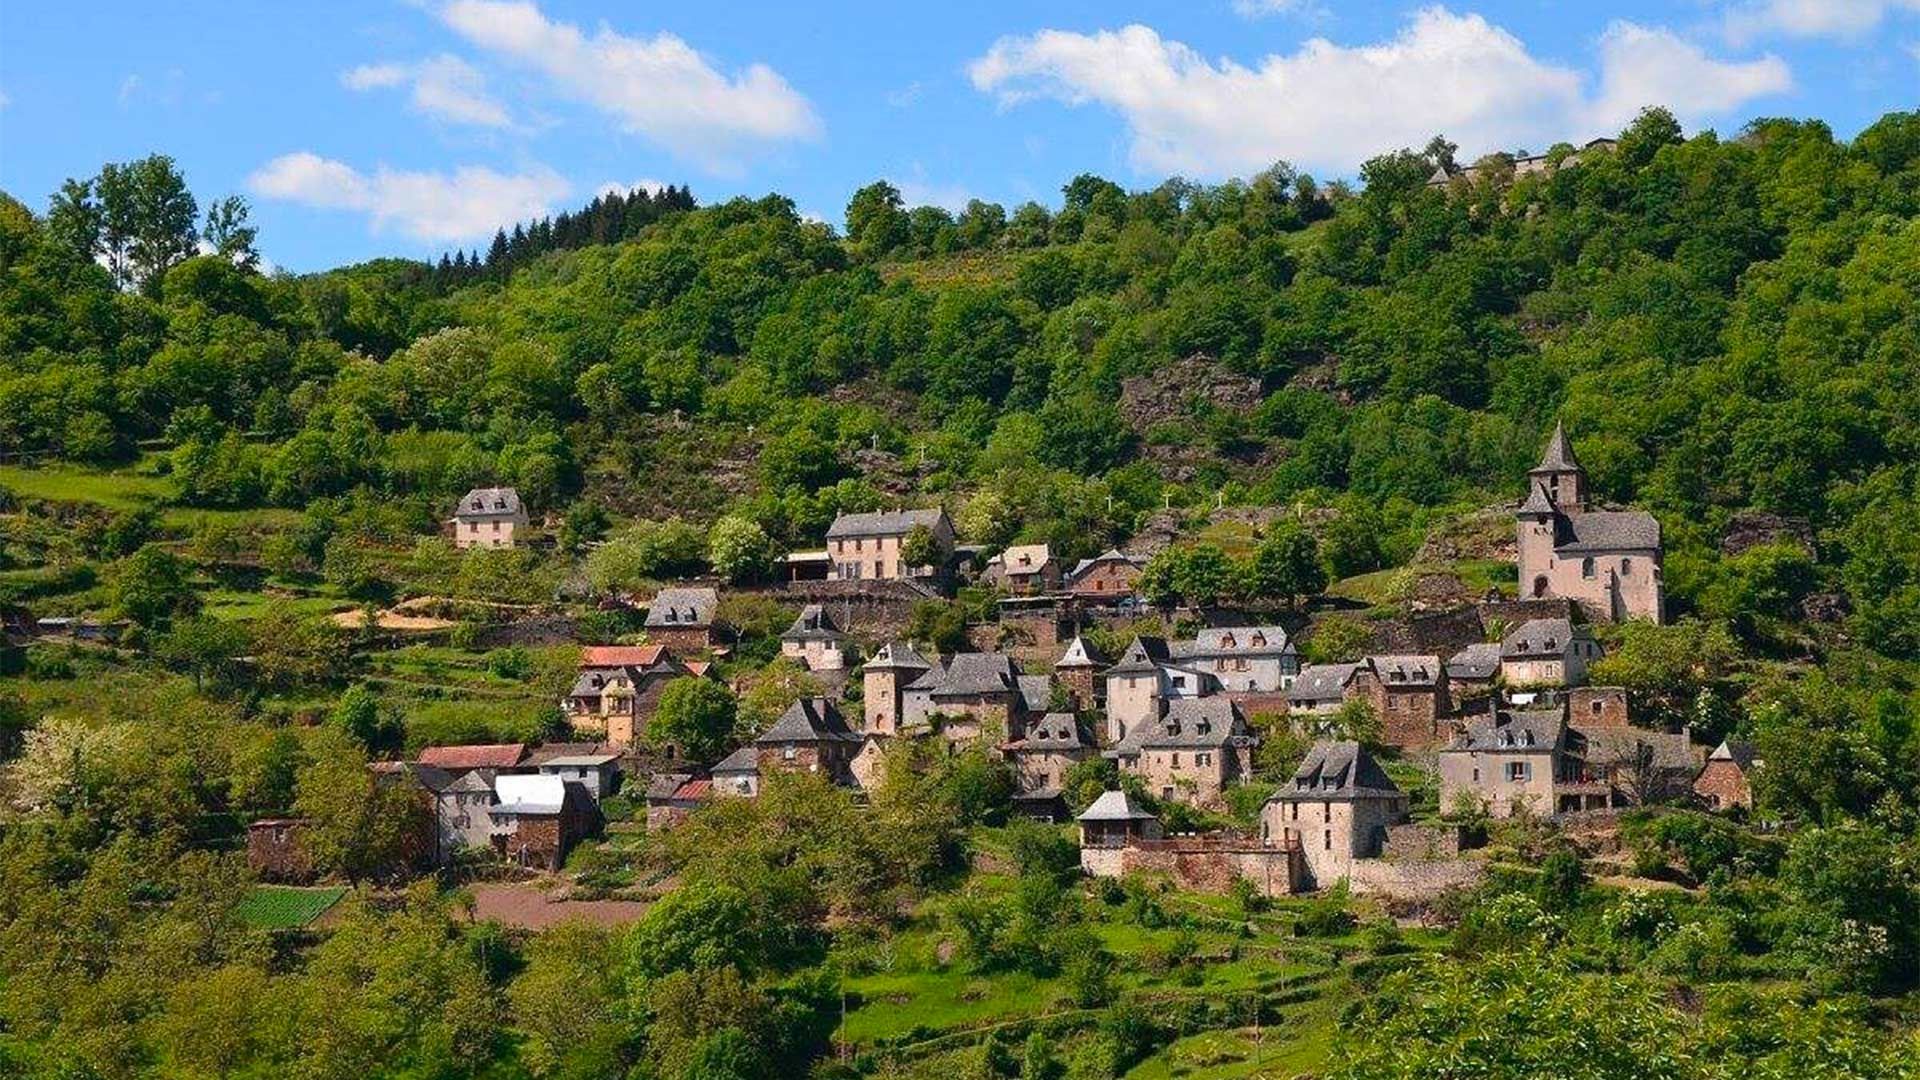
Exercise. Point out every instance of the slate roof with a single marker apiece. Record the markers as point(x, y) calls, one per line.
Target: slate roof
point(1738, 751)
point(1397, 670)
point(1558, 456)
point(532, 793)
point(488, 502)
point(1481, 660)
point(814, 623)
point(1145, 655)
point(547, 752)
point(1336, 770)
point(1036, 692)
point(476, 781)
point(883, 523)
point(1235, 641)
point(976, 673)
point(685, 607)
point(1513, 731)
point(1538, 502)
point(809, 720)
point(1196, 723)
point(580, 761)
point(1610, 530)
point(743, 760)
point(1539, 637)
point(1110, 555)
point(1054, 731)
point(897, 656)
point(1114, 806)
point(431, 777)
point(661, 786)
point(1080, 653)
point(1672, 751)
point(1323, 682)
point(485, 756)
point(1022, 558)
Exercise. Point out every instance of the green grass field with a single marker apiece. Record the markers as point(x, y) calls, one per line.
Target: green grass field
point(121, 489)
point(283, 907)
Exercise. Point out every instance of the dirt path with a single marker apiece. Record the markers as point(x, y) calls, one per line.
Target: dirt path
point(531, 908)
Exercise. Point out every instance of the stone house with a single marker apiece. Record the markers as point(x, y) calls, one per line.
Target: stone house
point(1078, 670)
point(974, 696)
point(866, 547)
point(1607, 561)
point(810, 736)
point(1473, 671)
point(815, 640)
point(1112, 821)
point(598, 773)
point(1144, 682)
point(1408, 694)
point(1547, 652)
point(684, 620)
point(1590, 707)
point(1040, 759)
point(1191, 751)
point(1245, 659)
point(488, 518)
point(1337, 809)
point(1515, 760)
point(617, 689)
point(276, 850)
point(1320, 689)
point(1024, 570)
point(1726, 780)
point(670, 797)
point(738, 773)
point(464, 812)
point(885, 677)
point(1108, 578)
point(536, 820)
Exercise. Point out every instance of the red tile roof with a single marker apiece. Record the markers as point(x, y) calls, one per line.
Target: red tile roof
point(698, 667)
point(488, 756)
point(620, 655)
point(693, 789)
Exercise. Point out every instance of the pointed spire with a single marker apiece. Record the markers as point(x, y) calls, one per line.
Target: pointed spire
point(1559, 454)
point(1538, 501)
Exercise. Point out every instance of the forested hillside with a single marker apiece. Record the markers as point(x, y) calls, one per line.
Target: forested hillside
point(243, 468)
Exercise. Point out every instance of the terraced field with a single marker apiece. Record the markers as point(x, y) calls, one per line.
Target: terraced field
point(284, 907)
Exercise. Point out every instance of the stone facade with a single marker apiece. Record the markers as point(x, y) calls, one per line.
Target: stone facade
point(1409, 695)
point(1204, 863)
point(488, 518)
point(866, 547)
point(276, 851)
point(1336, 809)
point(1105, 579)
point(1606, 561)
point(1725, 782)
point(884, 680)
point(1598, 706)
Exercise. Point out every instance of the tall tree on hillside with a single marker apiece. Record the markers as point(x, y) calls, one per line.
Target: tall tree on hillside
point(876, 220)
point(137, 218)
point(228, 233)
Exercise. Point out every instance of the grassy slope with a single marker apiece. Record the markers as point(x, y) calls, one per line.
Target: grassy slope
point(283, 907)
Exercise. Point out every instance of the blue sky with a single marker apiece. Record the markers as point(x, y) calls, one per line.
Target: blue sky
point(371, 127)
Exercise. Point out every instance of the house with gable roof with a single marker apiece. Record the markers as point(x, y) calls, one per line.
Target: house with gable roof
point(1337, 809)
point(1107, 578)
point(1191, 751)
point(1023, 570)
point(1052, 744)
point(617, 688)
point(1078, 670)
point(1245, 659)
point(1145, 681)
point(1726, 780)
point(815, 640)
point(488, 518)
point(685, 619)
point(866, 547)
point(1409, 695)
point(537, 819)
point(1547, 652)
point(811, 736)
point(1607, 561)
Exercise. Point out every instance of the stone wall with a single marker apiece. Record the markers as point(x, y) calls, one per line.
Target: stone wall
point(1598, 707)
point(1724, 786)
point(1415, 842)
point(1207, 864)
point(1409, 880)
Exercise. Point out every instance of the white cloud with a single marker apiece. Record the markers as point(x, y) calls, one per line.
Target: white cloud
point(1811, 18)
point(445, 87)
point(1641, 66)
point(470, 202)
point(1260, 9)
point(659, 87)
point(1328, 106)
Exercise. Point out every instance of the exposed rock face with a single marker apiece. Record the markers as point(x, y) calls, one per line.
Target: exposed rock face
point(1752, 528)
point(1174, 391)
point(1826, 607)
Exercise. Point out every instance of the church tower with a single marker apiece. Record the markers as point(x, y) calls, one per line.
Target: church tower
point(1560, 474)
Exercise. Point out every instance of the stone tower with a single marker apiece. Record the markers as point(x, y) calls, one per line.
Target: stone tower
point(1078, 669)
point(893, 668)
point(1559, 472)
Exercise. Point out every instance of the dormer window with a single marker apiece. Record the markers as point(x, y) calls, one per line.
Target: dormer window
point(1227, 640)
point(1506, 738)
point(1526, 738)
point(1258, 641)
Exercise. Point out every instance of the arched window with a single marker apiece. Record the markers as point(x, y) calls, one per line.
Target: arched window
point(1626, 567)
point(1540, 585)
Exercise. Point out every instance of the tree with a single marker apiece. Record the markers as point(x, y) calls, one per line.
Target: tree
point(358, 715)
point(358, 825)
point(1287, 565)
point(876, 222)
point(150, 587)
point(921, 549)
point(147, 218)
point(739, 549)
point(697, 715)
point(228, 233)
point(208, 648)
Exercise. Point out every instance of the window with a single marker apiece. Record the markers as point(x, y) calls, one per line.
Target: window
point(1518, 771)
point(1597, 707)
point(1203, 760)
point(1476, 774)
point(1176, 759)
point(473, 526)
point(859, 545)
point(1586, 567)
point(1326, 811)
point(1296, 811)
point(1626, 567)
point(496, 526)
point(786, 753)
point(1328, 841)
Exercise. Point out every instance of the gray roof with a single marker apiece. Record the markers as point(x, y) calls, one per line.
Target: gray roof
point(1055, 731)
point(1236, 641)
point(1481, 660)
point(897, 656)
point(1036, 692)
point(977, 673)
point(1115, 806)
point(663, 785)
point(1672, 751)
point(1322, 682)
point(1538, 501)
point(883, 523)
point(809, 720)
point(431, 777)
point(815, 623)
point(1395, 670)
point(1110, 555)
point(1514, 731)
point(476, 781)
point(743, 760)
point(580, 761)
point(1338, 770)
point(1080, 653)
point(1610, 530)
point(1540, 637)
point(1737, 751)
point(1558, 456)
point(488, 502)
point(1146, 654)
point(1199, 723)
point(683, 607)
